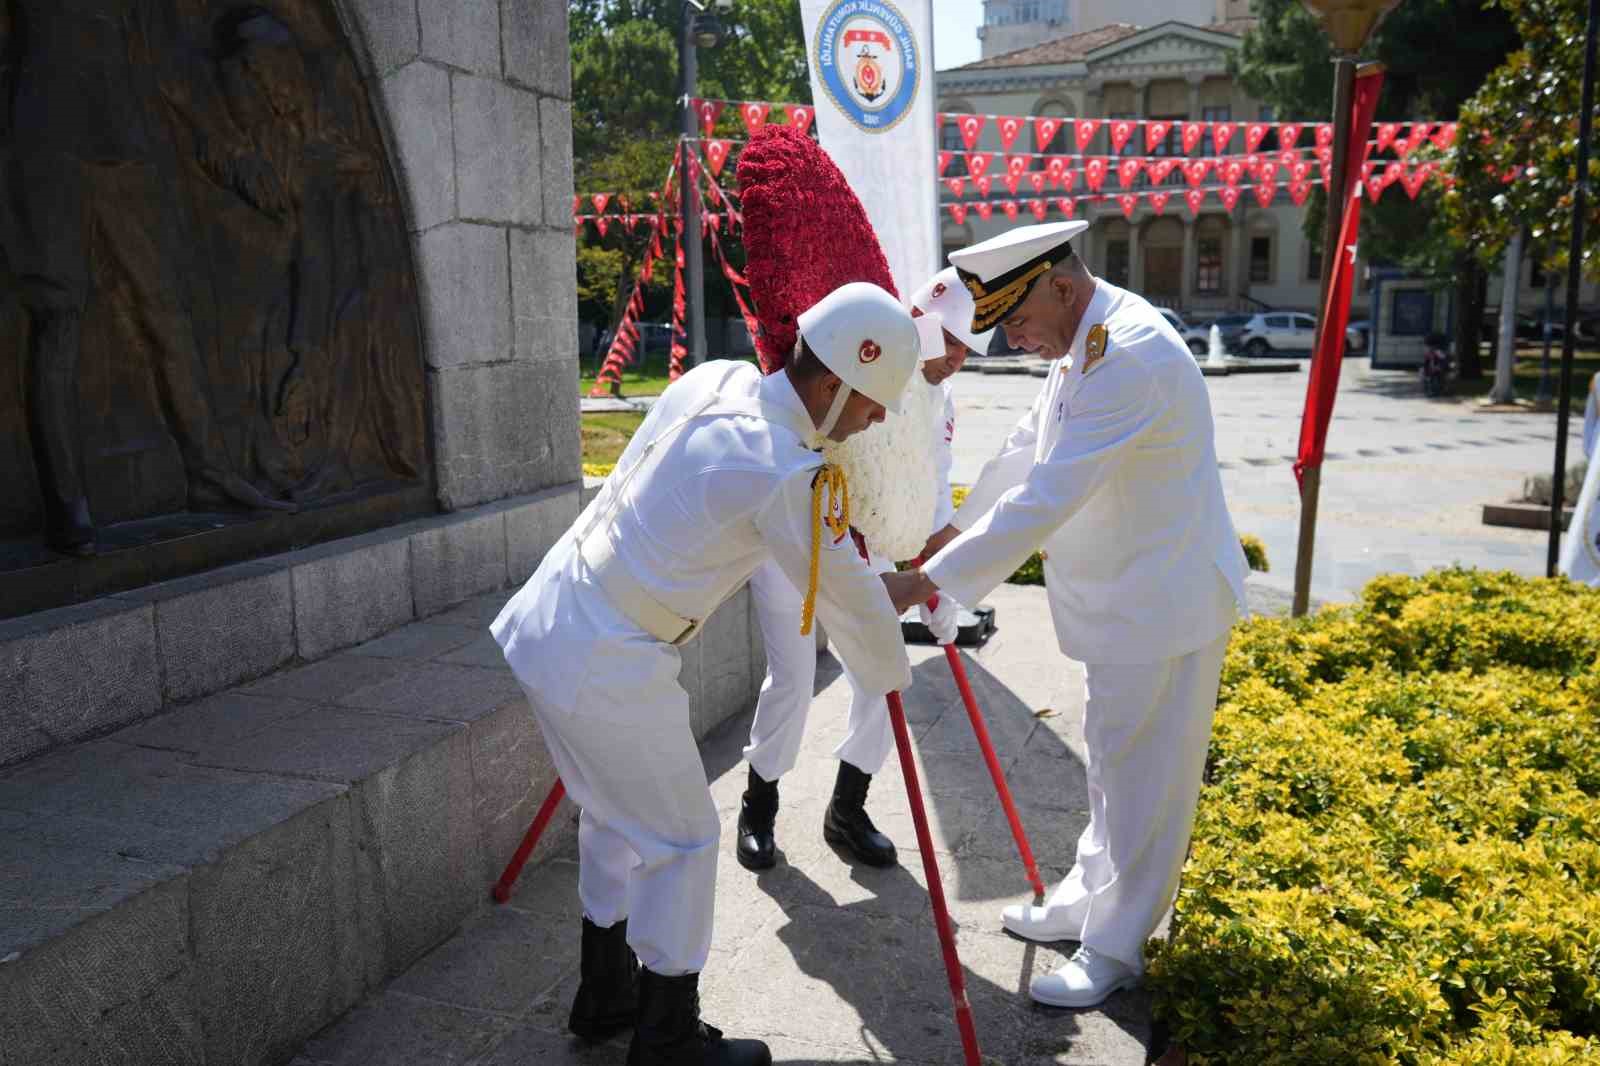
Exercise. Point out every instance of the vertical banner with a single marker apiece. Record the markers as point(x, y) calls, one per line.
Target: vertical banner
point(871, 65)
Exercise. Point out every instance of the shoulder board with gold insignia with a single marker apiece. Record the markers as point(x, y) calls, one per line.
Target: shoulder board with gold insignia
point(1094, 348)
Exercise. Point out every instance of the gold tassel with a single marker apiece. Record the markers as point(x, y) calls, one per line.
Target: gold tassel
point(836, 517)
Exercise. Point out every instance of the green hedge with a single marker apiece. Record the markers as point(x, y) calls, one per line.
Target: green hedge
point(1395, 857)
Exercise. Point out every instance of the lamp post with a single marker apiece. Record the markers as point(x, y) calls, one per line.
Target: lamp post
point(1348, 24)
point(701, 28)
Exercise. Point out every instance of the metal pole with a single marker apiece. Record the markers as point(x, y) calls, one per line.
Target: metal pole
point(1344, 90)
point(1574, 263)
point(1549, 328)
point(693, 252)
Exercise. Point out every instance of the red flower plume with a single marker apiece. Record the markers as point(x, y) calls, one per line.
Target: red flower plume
point(805, 234)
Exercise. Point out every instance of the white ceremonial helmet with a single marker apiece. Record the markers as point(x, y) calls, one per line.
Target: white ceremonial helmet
point(944, 297)
point(864, 336)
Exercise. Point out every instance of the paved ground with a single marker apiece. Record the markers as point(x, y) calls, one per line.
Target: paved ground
point(828, 962)
point(1402, 487)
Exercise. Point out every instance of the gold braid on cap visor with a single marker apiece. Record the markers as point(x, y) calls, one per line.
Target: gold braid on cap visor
point(990, 307)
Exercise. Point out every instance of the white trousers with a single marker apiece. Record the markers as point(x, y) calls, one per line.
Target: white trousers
point(1146, 727)
point(780, 720)
point(616, 721)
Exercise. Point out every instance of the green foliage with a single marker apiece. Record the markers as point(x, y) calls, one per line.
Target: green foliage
point(1526, 115)
point(1255, 552)
point(1395, 858)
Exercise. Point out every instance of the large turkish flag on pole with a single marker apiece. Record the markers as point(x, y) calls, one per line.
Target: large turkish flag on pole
point(1323, 383)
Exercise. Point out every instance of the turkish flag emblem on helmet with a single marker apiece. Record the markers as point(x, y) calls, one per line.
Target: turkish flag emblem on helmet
point(870, 351)
point(938, 289)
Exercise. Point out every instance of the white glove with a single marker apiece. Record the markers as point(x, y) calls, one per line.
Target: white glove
point(941, 621)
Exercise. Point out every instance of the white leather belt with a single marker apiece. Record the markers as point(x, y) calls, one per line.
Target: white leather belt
point(630, 597)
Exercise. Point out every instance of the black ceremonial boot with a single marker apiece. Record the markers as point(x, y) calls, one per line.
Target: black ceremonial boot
point(756, 847)
point(847, 823)
point(608, 991)
point(670, 1032)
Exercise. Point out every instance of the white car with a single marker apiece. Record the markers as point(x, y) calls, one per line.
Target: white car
point(1196, 339)
point(1278, 331)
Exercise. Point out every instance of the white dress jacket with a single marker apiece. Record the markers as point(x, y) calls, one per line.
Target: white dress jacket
point(1113, 472)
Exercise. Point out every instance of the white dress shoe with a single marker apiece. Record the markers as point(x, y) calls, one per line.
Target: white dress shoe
point(1084, 980)
point(1047, 923)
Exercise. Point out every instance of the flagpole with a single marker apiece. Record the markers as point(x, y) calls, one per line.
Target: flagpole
point(933, 87)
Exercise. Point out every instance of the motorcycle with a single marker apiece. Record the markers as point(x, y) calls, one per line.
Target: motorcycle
point(1436, 366)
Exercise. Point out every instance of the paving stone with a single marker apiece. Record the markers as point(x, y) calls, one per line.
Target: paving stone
point(437, 691)
point(502, 960)
point(349, 591)
point(420, 640)
point(475, 613)
point(416, 100)
point(400, 1030)
point(74, 671)
point(543, 300)
point(331, 744)
point(497, 151)
point(201, 728)
point(324, 681)
point(456, 557)
point(529, 1043)
point(463, 281)
point(482, 652)
point(465, 35)
point(535, 36)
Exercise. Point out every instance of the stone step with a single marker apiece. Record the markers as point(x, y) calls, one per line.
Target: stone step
point(215, 884)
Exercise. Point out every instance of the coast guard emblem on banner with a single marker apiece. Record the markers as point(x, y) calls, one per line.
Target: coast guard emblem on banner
point(866, 57)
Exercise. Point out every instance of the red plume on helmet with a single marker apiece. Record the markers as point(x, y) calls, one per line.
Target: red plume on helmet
point(805, 234)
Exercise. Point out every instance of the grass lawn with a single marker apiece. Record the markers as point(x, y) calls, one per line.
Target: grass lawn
point(1525, 375)
point(651, 381)
point(605, 435)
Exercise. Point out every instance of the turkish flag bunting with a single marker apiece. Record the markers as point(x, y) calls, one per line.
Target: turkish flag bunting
point(1413, 180)
point(1155, 132)
point(1036, 178)
point(1393, 173)
point(1194, 198)
point(1016, 165)
point(1128, 201)
point(1085, 131)
point(978, 162)
point(1044, 131)
point(971, 127)
point(622, 201)
point(1324, 161)
point(944, 161)
point(1057, 169)
point(1300, 170)
point(958, 212)
point(577, 203)
point(1069, 178)
point(1192, 132)
point(1094, 173)
point(1288, 133)
point(800, 116)
point(1298, 191)
point(1324, 135)
point(1010, 181)
point(715, 221)
point(1386, 134)
point(1252, 165)
point(1128, 172)
point(1066, 205)
point(602, 223)
point(1254, 134)
point(1416, 138)
point(957, 186)
point(1375, 190)
point(1266, 192)
point(1009, 126)
point(600, 199)
point(983, 184)
point(1221, 134)
point(1010, 208)
point(984, 209)
point(1121, 133)
point(754, 113)
point(1039, 208)
point(1287, 158)
point(709, 111)
point(1158, 201)
point(1229, 196)
point(1444, 136)
point(1267, 171)
point(716, 155)
point(1231, 171)
point(1158, 169)
point(1195, 172)
point(628, 222)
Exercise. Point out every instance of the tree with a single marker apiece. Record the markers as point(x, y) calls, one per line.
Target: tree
point(1437, 53)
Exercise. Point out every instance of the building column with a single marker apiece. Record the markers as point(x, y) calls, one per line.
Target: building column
point(1190, 263)
point(1141, 99)
point(1194, 97)
point(1237, 265)
point(1135, 256)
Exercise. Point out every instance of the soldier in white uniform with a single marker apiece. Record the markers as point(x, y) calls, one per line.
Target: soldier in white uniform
point(1580, 553)
point(779, 724)
point(1113, 471)
point(719, 478)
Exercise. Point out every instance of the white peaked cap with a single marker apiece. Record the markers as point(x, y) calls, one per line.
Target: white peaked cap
point(943, 296)
point(999, 272)
point(863, 335)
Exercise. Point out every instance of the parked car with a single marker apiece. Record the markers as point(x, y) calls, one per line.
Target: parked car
point(1232, 327)
point(1194, 336)
point(1356, 335)
point(1278, 331)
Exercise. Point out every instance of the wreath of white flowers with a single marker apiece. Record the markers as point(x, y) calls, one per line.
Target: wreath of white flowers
point(890, 471)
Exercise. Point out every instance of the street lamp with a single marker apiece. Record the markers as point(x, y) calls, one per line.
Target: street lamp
point(703, 29)
point(1348, 24)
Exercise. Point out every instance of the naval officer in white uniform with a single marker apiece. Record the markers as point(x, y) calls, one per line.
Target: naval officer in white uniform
point(719, 478)
point(943, 310)
point(1113, 472)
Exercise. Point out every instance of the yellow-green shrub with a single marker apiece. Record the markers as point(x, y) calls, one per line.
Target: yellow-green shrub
point(1396, 858)
point(1255, 552)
